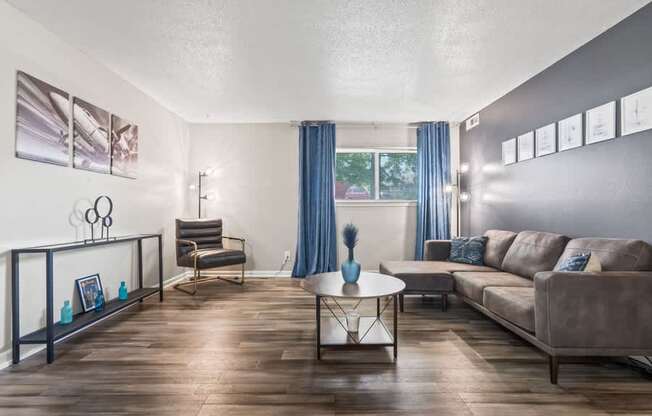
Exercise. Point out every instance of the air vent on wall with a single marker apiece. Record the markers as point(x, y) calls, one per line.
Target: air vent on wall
point(473, 121)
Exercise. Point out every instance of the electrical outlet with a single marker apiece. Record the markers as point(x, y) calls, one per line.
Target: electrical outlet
point(286, 256)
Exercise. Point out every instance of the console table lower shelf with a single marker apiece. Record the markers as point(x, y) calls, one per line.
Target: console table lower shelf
point(83, 320)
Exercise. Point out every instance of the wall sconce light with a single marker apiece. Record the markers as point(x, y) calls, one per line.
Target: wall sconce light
point(460, 196)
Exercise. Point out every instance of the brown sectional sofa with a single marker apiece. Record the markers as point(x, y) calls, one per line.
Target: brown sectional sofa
point(606, 313)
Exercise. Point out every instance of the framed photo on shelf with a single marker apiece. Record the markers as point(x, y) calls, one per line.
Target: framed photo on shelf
point(87, 287)
point(509, 152)
point(526, 146)
point(546, 140)
point(601, 123)
point(636, 112)
point(570, 132)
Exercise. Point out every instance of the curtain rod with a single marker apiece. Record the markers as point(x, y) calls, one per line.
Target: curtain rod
point(351, 124)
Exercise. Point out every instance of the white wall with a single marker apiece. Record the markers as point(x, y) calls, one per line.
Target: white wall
point(256, 185)
point(38, 199)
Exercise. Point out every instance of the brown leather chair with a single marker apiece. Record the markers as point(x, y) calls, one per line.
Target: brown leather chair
point(199, 246)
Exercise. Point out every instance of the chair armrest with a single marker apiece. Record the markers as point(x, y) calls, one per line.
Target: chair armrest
point(436, 250)
point(594, 309)
point(241, 240)
point(188, 243)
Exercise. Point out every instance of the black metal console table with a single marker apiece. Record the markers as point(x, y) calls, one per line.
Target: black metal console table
point(55, 332)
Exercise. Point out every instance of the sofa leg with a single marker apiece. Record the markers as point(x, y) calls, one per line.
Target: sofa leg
point(444, 302)
point(553, 365)
point(401, 301)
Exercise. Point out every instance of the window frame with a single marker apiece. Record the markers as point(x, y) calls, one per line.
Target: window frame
point(376, 201)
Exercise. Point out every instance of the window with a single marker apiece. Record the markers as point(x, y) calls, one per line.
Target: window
point(369, 175)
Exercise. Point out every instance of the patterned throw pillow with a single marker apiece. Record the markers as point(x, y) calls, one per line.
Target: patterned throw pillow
point(574, 263)
point(469, 250)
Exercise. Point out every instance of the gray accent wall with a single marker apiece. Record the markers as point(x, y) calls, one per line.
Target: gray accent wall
point(602, 189)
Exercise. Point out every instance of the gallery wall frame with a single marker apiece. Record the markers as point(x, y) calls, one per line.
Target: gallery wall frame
point(601, 123)
point(546, 140)
point(636, 112)
point(526, 146)
point(509, 152)
point(570, 132)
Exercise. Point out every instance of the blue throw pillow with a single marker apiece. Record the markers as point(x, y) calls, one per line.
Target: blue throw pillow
point(468, 250)
point(575, 263)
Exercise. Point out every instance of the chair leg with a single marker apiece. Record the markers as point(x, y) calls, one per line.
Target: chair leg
point(444, 302)
point(192, 281)
point(553, 367)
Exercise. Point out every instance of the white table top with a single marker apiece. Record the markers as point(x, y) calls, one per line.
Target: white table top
point(369, 285)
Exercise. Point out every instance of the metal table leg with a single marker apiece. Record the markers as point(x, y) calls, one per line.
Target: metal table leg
point(49, 300)
point(395, 326)
point(160, 267)
point(318, 318)
point(15, 309)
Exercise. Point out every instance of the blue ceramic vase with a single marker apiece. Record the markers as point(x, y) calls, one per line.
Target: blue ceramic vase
point(350, 269)
point(99, 301)
point(66, 313)
point(123, 294)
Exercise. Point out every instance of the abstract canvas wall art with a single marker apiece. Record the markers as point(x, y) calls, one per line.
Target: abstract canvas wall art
point(42, 114)
point(91, 145)
point(124, 142)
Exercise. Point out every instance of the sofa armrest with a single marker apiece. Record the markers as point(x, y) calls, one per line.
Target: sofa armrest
point(436, 250)
point(594, 310)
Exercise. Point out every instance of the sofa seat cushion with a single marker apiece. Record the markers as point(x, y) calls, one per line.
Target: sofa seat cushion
point(472, 284)
point(498, 242)
point(614, 254)
point(515, 304)
point(533, 252)
point(427, 275)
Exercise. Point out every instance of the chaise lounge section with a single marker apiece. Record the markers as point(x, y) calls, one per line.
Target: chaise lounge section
point(602, 313)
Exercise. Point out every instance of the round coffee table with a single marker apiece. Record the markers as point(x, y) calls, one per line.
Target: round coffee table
point(372, 332)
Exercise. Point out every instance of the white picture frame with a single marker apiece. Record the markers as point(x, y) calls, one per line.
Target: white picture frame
point(546, 140)
point(569, 133)
point(601, 123)
point(636, 112)
point(526, 146)
point(509, 152)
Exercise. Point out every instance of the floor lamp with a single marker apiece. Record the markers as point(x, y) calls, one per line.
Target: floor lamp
point(201, 196)
point(460, 197)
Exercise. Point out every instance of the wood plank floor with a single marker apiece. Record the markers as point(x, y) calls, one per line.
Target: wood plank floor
point(250, 351)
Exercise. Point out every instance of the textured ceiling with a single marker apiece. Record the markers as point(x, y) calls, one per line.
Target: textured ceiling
point(281, 60)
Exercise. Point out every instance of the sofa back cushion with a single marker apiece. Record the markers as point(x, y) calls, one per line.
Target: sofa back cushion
point(497, 245)
point(614, 254)
point(533, 252)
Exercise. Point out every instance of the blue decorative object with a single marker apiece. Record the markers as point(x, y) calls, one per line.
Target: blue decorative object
point(317, 235)
point(123, 294)
point(469, 250)
point(433, 174)
point(575, 263)
point(66, 313)
point(350, 268)
point(99, 301)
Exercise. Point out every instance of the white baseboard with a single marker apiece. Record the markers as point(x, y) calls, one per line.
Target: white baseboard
point(248, 273)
